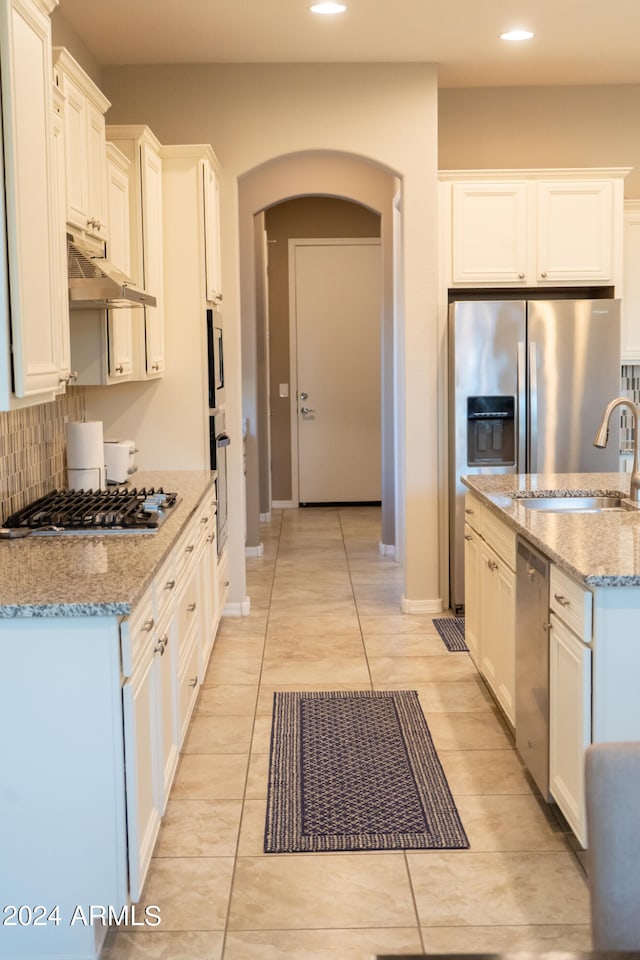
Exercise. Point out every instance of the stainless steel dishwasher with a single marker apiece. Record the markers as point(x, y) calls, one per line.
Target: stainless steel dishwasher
point(532, 662)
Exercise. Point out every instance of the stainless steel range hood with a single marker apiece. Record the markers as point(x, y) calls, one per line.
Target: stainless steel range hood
point(95, 282)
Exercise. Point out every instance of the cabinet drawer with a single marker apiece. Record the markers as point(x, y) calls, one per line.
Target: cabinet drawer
point(571, 602)
point(188, 681)
point(474, 513)
point(188, 607)
point(164, 588)
point(502, 538)
point(136, 631)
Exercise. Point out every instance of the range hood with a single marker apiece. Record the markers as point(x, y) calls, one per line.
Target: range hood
point(95, 282)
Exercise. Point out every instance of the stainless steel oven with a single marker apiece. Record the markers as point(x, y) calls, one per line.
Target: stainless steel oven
point(219, 441)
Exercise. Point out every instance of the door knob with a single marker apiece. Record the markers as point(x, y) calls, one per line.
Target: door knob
point(306, 410)
point(304, 396)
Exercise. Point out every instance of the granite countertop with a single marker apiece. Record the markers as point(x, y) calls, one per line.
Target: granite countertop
point(599, 549)
point(95, 575)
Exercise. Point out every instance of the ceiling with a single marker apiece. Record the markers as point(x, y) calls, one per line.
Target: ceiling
point(576, 41)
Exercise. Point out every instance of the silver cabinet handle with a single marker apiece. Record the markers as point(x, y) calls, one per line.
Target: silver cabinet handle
point(119, 368)
point(149, 625)
point(169, 585)
point(211, 538)
point(193, 682)
point(492, 565)
point(189, 549)
point(191, 608)
point(162, 645)
point(205, 520)
point(468, 536)
point(562, 600)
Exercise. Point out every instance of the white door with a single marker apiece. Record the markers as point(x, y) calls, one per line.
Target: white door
point(335, 303)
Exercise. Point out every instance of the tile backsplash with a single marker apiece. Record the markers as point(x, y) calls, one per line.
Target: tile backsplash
point(629, 387)
point(33, 449)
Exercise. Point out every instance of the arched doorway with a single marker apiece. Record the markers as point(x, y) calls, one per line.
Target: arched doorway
point(320, 174)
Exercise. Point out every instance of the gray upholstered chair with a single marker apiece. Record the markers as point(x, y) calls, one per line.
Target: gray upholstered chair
point(612, 793)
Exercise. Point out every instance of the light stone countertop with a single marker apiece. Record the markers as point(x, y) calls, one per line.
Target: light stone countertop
point(82, 575)
point(599, 549)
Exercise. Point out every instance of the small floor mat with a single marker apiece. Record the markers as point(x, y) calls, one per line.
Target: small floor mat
point(356, 771)
point(451, 629)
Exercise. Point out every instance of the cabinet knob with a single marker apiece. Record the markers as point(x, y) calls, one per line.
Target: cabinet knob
point(492, 565)
point(521, 276)
point(211, 538)
point(543, 274)
point(205, 520)
point(191, 608)
point(149, 625)
point(193, 682)
point(65, 377)
point(219, 297)
point(170, 584)
point(120, 368)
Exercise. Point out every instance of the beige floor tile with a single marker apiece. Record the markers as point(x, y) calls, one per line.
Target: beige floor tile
point(199, 828)
point(321, 891)
point(517, 823)
point(210, 777)
point(192, 893)
point(251, 626)
point(219, 735)
point(315, 671)
point(227, 699)
point(397, 623)
point(320, 607)
point(239, 646)
point(294, 647)
point(473, 772)
point(185, 945)
point(257, 777)
point(468, 731)
point(535, 939)
point(261, 740)
point(404, 645)
point(464, 696)
point(311, 592)
point(325, 625)
point(464, 888)
point(448, 666)
point(251, 842)
point(225, 669)
point(320, 944)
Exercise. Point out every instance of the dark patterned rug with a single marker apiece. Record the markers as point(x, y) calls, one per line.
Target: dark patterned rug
point(356, 771)
point(451, 629)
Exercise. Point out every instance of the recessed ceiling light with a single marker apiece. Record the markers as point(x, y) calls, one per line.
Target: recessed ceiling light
point(328, 8)
point(516, 35)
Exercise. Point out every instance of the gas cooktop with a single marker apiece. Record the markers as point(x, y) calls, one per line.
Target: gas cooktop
point(121, 510)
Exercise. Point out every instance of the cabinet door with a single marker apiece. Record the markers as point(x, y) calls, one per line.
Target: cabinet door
point(75, 126)
point(25, 52)
point(631, 284)
point(490, 232)
point(140, 702)
point(96, 172)
point(472, 596)
point(575, 231)
point(212, 232)
point(497, 644)
point(167, 746)
point(119, 321)
point(61, 306)
point(569, 722)
point(151, 168)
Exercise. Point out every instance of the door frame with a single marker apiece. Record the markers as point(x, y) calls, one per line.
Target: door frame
point(293, 342)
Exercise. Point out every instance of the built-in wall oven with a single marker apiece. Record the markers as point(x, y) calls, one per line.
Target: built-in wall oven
point(219, 441)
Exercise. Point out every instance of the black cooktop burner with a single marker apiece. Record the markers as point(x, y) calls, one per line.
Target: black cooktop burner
point(95, 511)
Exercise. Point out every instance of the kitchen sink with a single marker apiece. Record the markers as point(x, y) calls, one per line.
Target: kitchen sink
point(578, 504)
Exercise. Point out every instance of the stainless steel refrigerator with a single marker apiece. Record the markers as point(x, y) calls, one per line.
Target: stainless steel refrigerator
point(528, 383)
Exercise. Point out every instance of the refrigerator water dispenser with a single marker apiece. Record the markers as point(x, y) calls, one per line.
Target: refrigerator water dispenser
point(490, 431)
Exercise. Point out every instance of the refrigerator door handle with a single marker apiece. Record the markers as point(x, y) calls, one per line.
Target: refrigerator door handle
point(533, 410)
point(521, 462)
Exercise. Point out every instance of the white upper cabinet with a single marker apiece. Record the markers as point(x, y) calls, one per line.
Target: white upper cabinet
point(86, 160)
point(631, 283)
point(120, 344)
point(34, 351)
point(532, 228)
point(211, 196)
point(142, 148)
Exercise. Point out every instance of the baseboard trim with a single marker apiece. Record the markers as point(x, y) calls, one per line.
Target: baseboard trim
point(242, 609)
point(283, 504)
point(421, 606)
point(387, 550)
point(254, 551)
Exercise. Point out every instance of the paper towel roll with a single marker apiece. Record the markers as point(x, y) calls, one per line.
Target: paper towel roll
point(85, 450)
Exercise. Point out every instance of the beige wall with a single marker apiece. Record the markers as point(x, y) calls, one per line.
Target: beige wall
point(385, 114)
point(302, 217)
point(511, 127)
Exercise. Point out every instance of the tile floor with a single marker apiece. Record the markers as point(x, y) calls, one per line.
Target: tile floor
point(325, 615)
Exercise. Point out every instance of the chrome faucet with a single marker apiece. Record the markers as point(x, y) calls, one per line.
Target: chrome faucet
point(603, 435)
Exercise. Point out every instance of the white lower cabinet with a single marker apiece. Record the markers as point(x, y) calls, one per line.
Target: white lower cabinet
point(490, 601)
point(570, 683)
point(115, 696)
